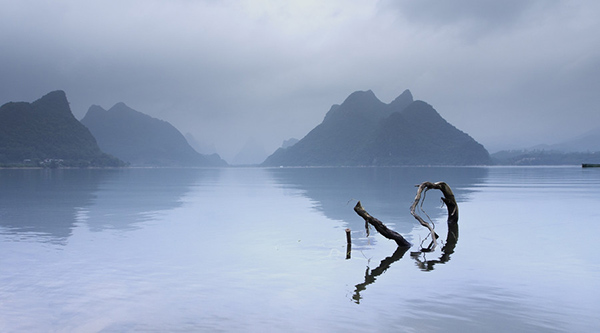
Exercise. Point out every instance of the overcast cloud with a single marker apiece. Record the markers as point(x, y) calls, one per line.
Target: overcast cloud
point(511, 73)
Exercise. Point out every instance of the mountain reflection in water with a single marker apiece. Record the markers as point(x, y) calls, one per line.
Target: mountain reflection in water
point(386, 192)
point(240, 249)
point(46, 204)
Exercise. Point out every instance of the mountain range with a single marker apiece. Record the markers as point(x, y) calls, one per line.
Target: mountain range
point(582, 149)
point(587, 142)
point(363, 131)
point(142, 140)
point(45, 132)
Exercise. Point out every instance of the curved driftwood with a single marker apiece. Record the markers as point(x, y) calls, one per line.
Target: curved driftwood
point(448, 200)
point(380, 227)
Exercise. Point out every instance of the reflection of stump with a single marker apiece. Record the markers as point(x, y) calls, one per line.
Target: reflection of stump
point(448, 199)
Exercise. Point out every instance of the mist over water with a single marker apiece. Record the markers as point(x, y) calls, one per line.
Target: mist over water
point(253, 249)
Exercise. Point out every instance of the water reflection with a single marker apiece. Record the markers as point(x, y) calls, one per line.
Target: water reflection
point(46, 205)
point(386, 192)
point(418, 256)
point(371, 275)
point(131, 196)
point(447, 250)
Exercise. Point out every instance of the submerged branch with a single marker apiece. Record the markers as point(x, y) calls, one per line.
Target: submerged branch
point(448, 200)
point(380, 227)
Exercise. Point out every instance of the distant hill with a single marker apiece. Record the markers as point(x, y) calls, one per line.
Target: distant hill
point(289, 142)
point(252, 153)
point(202, 148)
point(581, 149)
point(45, 132)
point(364, 131)
point(587, 142)
point(142, 140)
point(544, 157)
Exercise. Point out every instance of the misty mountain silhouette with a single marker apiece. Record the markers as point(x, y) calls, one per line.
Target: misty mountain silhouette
point(142, 140)
point(252, 153)
point(365, 131)
point(586, 142)
point(581, 149)
point(47, 130)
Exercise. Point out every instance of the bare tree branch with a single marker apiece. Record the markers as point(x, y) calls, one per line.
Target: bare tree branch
point(448, 200)
point(380, 227)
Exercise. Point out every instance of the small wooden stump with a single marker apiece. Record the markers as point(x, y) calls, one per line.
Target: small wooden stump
point(348, 243)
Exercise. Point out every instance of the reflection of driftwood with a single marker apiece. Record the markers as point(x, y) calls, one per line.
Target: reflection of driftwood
point(380, 227)
point(371, 275)
point(403, 244)
point(447, 250)
point(448, 199)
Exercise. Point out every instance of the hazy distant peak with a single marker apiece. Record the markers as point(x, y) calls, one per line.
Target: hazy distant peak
point(421, 107)
point(362, 99)
point(96, 108)
point(57, 96)
point(423, 112)
point(120, 107)
point(289, 142)
point(360, 103)
point(94, 112)
point(331, 111)
point(54, 101)
point(402, 101)
point(334, 107)
point(366, 105)
point(141, 139)
point(46, 129)
point(365, 131)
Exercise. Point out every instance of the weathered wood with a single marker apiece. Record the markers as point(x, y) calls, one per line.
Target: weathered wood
point(348, 243)
point(448, 200)
point(380, 227)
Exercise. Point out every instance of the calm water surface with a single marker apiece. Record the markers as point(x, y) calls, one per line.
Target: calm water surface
point(193, 250)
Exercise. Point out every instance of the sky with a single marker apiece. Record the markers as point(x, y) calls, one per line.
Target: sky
point(512, 73)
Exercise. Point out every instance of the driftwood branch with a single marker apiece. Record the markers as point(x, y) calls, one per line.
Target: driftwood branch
point(448, 200)
point(403, 244)
point(380, 227)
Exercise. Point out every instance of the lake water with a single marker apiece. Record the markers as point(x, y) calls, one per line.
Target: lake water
point(264, 250)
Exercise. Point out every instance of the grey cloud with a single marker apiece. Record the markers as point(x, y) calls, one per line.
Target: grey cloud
point(228, 71)
point(472, 18)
